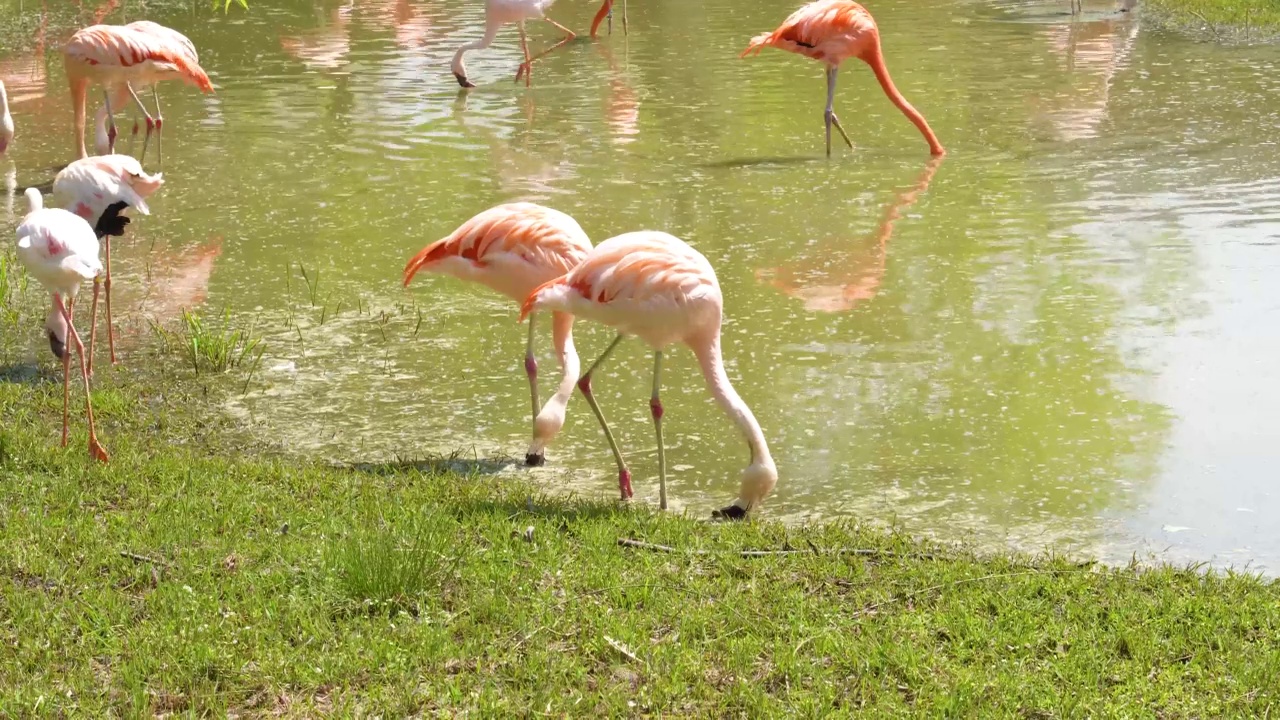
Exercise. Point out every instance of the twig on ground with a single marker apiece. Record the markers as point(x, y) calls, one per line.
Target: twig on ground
point(144, 559)
point(862, 552)
point(622, 649)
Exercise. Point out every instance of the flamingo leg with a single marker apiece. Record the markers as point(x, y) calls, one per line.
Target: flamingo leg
point(569, 35)
point(531, 369)
point(624, 32)
point(66, 370)
point(146, 139)
point(829, 115)
point(93, 322)
point(526, 67)
point(111, 333)
point(111, 122)
point(96, 451)
point(159, 128)
point(655, 407)
point(584, 384)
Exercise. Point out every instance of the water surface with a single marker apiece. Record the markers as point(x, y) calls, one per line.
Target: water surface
point(1063, 335)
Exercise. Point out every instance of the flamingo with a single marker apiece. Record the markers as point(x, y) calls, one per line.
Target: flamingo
point(503, 12)
point(6, 120)
point(98, 189)
point(653, 285)
point(121, 56)
point(58, 248)
point(831, 31)
point(513, 249)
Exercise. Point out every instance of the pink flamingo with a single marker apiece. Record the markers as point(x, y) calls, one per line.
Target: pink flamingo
point(832, 31)
point(656, 287)
point(513, 249)
point(59, 249)
point(504, 12)
point(121, 56)
point(98, 189)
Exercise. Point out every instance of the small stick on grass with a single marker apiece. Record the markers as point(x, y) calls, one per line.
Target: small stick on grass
point(864, 552)
point(144, 559)
point(622, 649)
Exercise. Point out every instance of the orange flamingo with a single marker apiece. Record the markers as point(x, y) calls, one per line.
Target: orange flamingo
point(831, 31)
point(653, 285)
point(513, 249)
point(837, 280)
point(120, 56)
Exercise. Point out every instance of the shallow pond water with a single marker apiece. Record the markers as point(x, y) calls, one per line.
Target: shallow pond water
point(1063, 334)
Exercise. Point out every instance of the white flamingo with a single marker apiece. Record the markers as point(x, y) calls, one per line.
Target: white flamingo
point(98, 189)
point(59, 249)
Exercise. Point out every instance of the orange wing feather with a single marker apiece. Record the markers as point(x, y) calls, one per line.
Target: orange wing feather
point(523, 229)
point(818, 22)
point(125, 47)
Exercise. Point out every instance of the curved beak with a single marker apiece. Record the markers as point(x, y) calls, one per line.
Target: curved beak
point(463, 81)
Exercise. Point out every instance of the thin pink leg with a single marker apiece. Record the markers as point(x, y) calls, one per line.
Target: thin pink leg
point(96, 451)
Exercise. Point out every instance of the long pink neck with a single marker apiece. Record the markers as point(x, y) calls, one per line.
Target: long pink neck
point(562, 339)
point(727, 398)
point(875, 59)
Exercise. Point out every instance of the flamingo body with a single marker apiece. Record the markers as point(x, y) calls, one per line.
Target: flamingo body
point(98, 189)
point(59, 249)
point(513, 249)
point(120, 57)
point(6, 121)
point(832, 31)
point(655, 286)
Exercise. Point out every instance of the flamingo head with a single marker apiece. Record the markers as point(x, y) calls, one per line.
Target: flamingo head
point(56, 328)
point(545, 428)
point(758, 480)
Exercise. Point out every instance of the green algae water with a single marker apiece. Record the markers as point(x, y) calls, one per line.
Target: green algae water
point(1064, 333)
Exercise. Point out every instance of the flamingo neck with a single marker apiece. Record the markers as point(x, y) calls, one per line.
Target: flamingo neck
point(562, 339)
point(490, 32)
point(875, 59)
point(709, 359)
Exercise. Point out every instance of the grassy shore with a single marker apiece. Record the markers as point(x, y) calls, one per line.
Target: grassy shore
point(1227, 20)
point(189, 577)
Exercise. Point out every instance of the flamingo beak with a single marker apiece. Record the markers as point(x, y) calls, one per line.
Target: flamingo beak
point(463, 81)
point(58, 347)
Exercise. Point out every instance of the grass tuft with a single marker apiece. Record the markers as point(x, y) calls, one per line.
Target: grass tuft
point(391, 565)
point(213, 349)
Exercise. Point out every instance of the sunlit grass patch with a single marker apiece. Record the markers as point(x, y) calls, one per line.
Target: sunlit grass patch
point(387, 564)
point(1248, 20)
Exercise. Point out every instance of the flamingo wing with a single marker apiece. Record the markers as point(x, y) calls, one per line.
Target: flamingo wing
point(120, 46)
point(821, 30)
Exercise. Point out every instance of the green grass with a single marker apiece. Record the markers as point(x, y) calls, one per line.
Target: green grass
point(1229, 20)
point(211, 347)
point(189, 577)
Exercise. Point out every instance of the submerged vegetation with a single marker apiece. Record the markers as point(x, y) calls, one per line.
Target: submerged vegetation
point(213, 349)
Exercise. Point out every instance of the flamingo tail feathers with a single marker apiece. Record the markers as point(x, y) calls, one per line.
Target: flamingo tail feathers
point(758, 43)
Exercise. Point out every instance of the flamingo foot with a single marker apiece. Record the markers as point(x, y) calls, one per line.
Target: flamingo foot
point(535, 459)
point(526, 69)
point(732, 512)
point(624, 484)
point(833, 120)
point(97, 452)
point(463, 81)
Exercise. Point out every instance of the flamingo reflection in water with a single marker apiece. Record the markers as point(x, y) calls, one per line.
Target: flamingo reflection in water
point(1092, 54)
point(622, 111)
point(837, 279)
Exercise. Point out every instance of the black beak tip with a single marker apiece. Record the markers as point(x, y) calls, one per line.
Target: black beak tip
point(535, 460)
point(463, 81)
point(58, 347)
point(733, 512)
